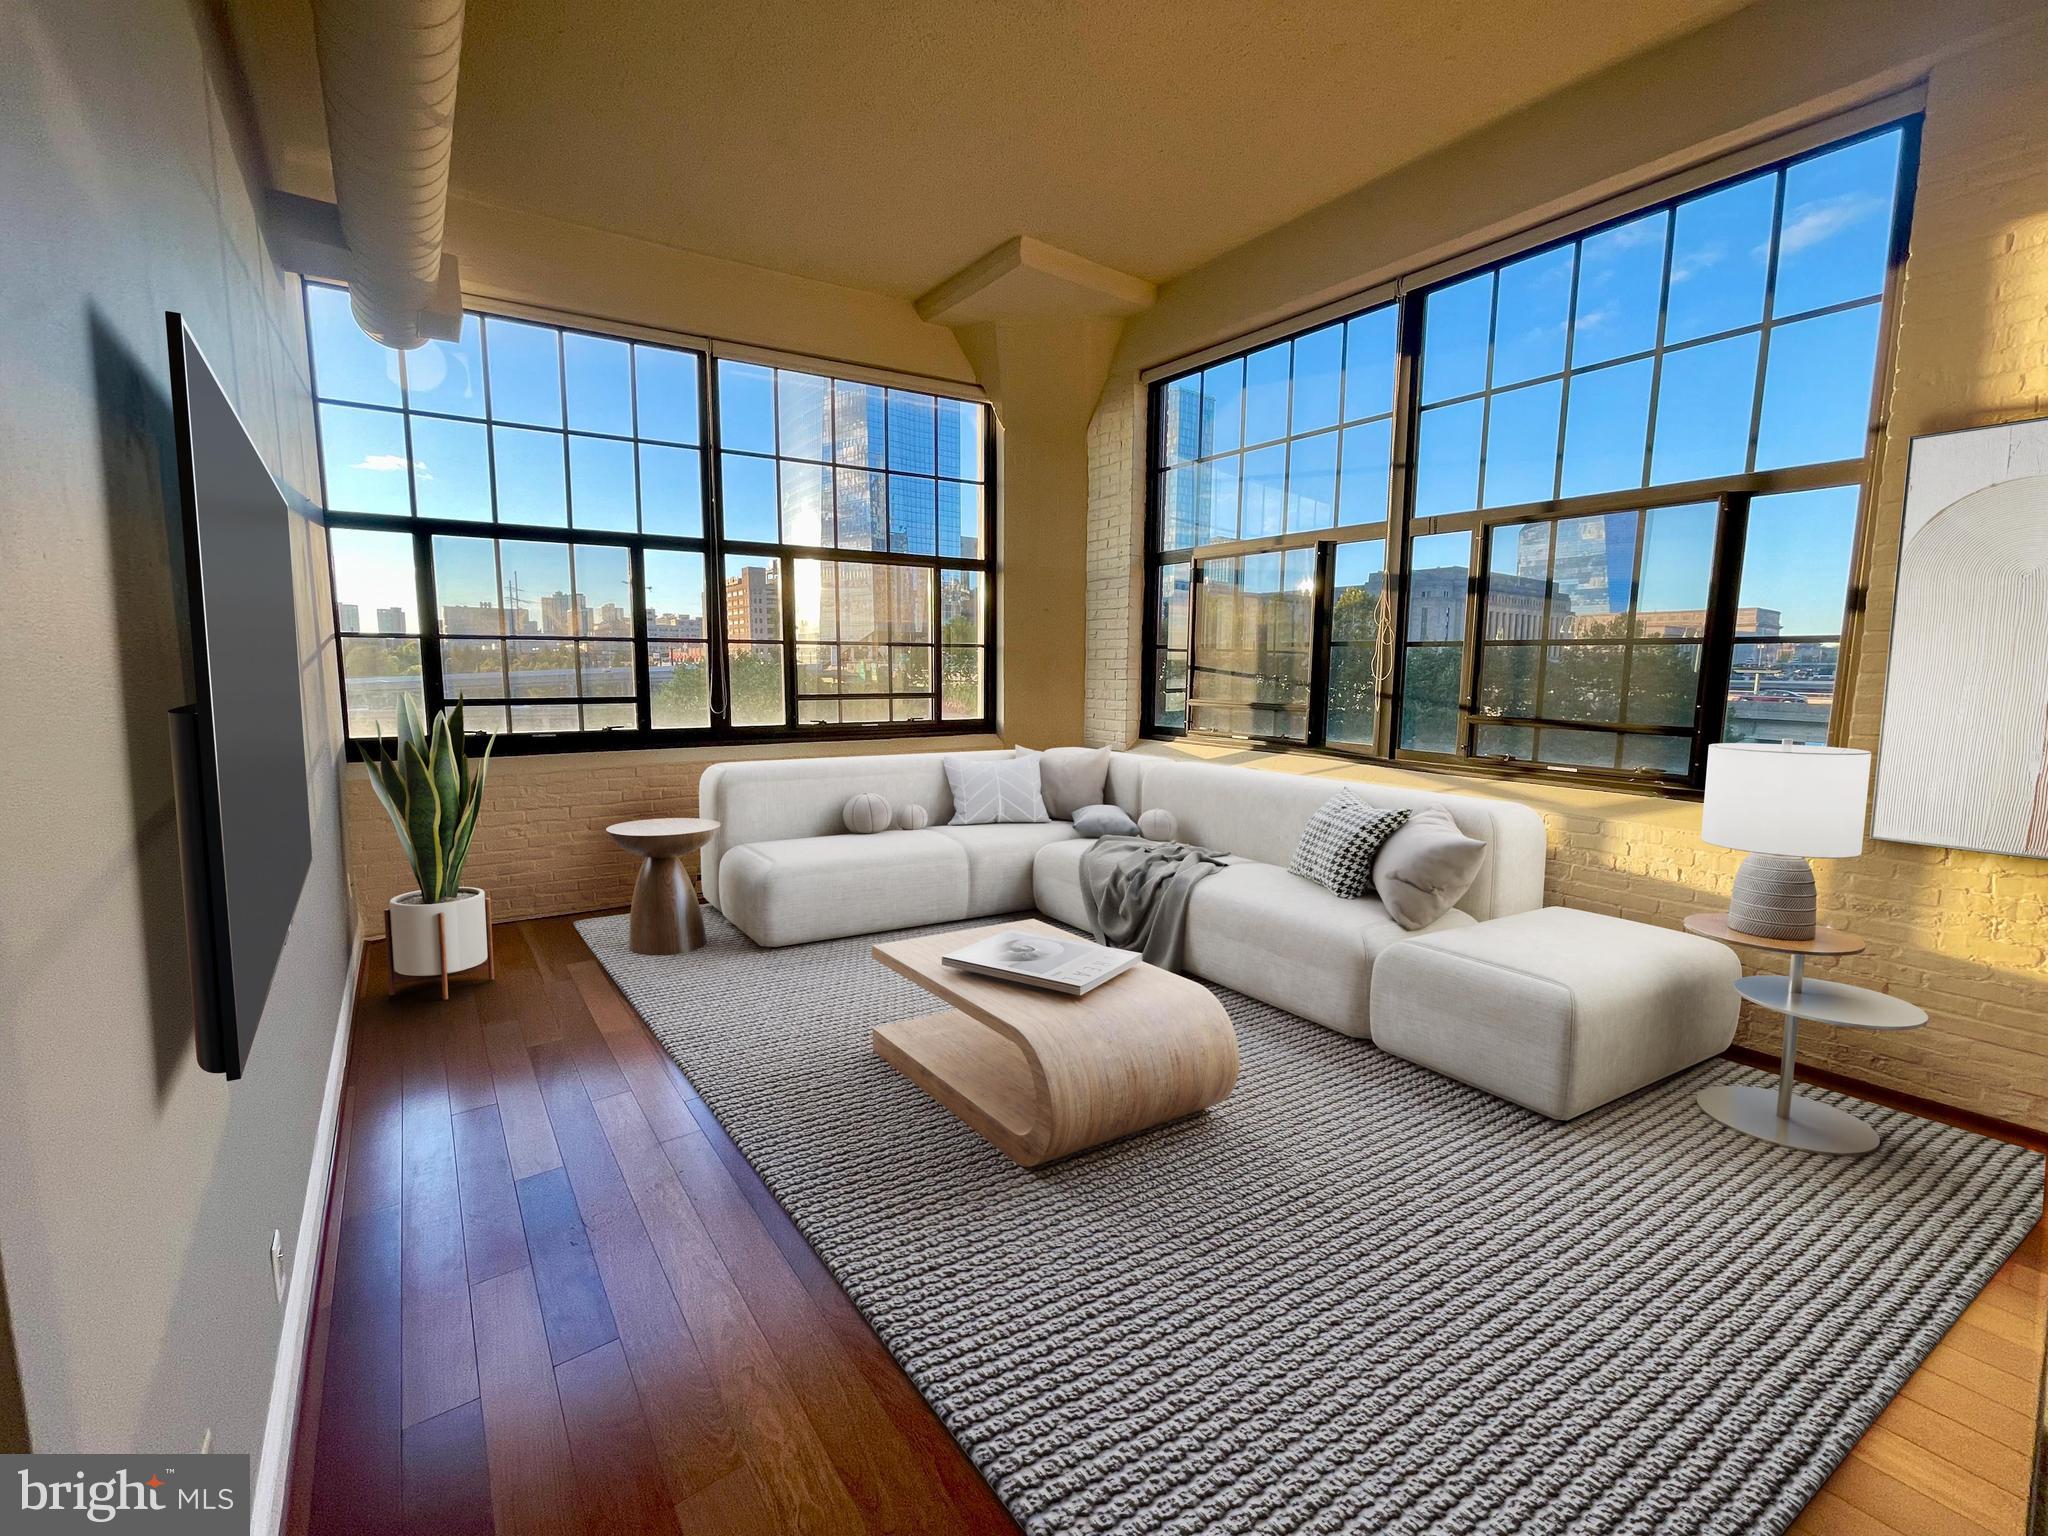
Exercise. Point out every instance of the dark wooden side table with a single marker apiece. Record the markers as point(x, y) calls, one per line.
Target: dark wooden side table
point(666, 919)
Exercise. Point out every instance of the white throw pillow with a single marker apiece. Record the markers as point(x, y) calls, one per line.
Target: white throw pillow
point(867, 812)
point(1425, 867)
point(991, 789)
point(1072, 778)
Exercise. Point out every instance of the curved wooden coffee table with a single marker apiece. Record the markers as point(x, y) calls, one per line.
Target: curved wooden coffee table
point(1043, 1075)
point(666, 919)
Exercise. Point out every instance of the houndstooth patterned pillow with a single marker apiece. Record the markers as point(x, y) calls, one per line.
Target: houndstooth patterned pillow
point(1340, 842)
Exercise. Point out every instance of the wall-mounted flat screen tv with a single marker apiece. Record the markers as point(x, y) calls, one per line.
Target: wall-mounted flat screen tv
point(240, 746)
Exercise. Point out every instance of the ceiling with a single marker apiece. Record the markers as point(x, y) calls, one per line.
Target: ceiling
point(885, 146)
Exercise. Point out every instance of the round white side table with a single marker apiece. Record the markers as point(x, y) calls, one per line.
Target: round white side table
point(1780, 1115)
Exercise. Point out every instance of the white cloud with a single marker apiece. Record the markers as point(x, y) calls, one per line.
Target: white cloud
point(1810, 223)
point(390, 464)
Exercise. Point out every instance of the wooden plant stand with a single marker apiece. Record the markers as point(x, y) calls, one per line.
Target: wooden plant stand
point(394, 983)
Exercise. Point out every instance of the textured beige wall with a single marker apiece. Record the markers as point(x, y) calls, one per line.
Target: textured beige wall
point(1961, 934)
point(137, 1194)
point(540, 845)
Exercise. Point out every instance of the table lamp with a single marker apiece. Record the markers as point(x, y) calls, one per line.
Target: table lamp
point(1783, 804)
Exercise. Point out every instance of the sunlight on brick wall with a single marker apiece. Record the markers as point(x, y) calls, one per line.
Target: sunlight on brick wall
point(1961, 934)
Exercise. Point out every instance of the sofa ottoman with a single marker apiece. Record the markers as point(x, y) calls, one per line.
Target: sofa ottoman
point(1558, 1010)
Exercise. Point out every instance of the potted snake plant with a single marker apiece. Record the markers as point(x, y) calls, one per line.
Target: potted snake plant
point(432, 788)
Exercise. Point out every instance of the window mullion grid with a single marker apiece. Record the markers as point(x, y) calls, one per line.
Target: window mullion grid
point(1717, 647)
point(1401, 439)
point(1764, 326)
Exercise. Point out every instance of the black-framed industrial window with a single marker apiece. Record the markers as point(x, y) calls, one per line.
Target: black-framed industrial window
point(599, 540)
point(1580, 510)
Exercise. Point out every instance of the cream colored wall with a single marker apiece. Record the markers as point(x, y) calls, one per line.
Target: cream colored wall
point(1961, 934)
point(137, 1194)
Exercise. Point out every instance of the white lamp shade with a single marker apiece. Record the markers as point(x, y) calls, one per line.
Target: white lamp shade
point(1806, 802)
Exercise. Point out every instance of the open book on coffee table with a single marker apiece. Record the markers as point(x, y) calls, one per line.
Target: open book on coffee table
point(1069, 966)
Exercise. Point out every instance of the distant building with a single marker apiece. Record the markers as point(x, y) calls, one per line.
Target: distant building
point(1514, 607)
point(612, 620)
point(753, 604)
point(351, 618)
point(564, 613)
point(1689, 623)
point(473, 619)
point(390, 621)
point(674, 626)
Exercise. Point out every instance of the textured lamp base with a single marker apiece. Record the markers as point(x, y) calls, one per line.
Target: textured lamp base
point(1774, 897)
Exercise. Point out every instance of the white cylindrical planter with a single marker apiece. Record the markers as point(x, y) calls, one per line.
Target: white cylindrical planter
point(419, 929)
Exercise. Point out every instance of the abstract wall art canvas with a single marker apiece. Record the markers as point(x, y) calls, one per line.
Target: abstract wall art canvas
point(1963, 759)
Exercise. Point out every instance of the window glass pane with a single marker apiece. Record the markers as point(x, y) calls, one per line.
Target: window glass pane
point(600, 377)
point(474, 668)
point(817, 670)
point(747, 488)
point(534, 578)
point(1720, 256)
point(1621, 280)
point(756, 673)
point(665, 387)
point(1367, 462)
point(860, 418)
point(1795, 566)
point(1704, 400)
point(1455, 326)
point(1318, 369)
point(1817, 389)
point(1663, 684)
point(543, 669)
point(1357, 616)
point(1439, 573)
point(1607, 418)
point(913, 514)
point(451, 469)
point(1513, 741)
point(1582, 682)
point(448, 376)
point(1584, 749)
point(1836, 235)
point(1369, 356)
point(604, 591)
point(610, 717)
point(863, 507)
point(606, 669)
point(375, 592)
point(1521, 444)
point(913, 429)
point(376, 673)
point(1264, 510)
point(962, 695)
point(1253, 625)
point(1265, 393)
point(1517, 580)
point(961, 430)
point(1312, 482)
point(1507, 679)
point(1173, 606)
point(1678, 559)
point(1216, 498)
point(1181, 402)
point(347, 364)
point(959, 519)
point(753, 598)
point(466, 587)
point(803, 405)
point(746, 406)
point(913, 709)
point(363, 461)
point(1180, 515)
point(1534, 303)
point(671, 491)
point(601, 489)
point(675, 594)
point(960, 617)
point(1431, 678)
point(1592, 576)
point(678, 686)
point(532, 479)
point(1447, 459)
point(1661, 754)
point(1223, 407)
point(1781, 691)
point(526, 372)
point(806, 503)
point(1170, 690)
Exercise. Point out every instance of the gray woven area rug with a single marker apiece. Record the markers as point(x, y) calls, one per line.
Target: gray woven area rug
point(1355, 1296)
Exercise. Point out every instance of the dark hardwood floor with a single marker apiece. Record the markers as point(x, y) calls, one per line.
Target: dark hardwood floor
point(555, 1298)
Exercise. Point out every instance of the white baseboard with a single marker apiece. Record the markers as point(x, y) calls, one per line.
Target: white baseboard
point(280, 1429)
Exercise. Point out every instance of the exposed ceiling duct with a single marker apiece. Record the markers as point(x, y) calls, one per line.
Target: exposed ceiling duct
point(387, 72)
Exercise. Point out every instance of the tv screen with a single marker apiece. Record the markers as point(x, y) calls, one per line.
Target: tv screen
point(240, 746)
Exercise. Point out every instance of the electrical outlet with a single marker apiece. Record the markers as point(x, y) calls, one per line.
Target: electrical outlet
point(279, 1272)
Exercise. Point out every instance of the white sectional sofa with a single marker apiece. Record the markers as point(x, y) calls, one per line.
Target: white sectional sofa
point(785, 871)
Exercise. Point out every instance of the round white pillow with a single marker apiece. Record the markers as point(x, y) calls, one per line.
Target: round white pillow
point(913, 818)
point(866, 813)
point(1159, 824)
